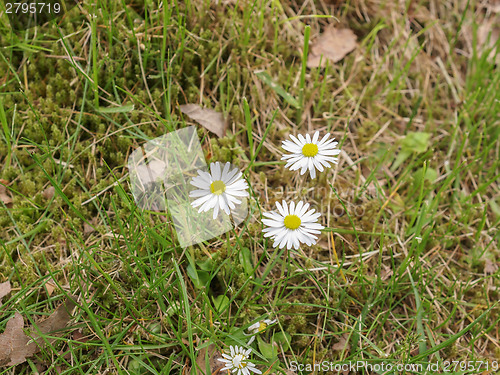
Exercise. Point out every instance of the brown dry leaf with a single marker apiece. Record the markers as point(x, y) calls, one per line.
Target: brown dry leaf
point(342, 344)
point(16, 346)
point(50, 286)
point(487, 36)
point(5, 289)
point(489, 267)
point(49, 192)
point(334, 44)
point(214, 365)
point(13, 341)
point(208, 118)
point(4, 193)
point(494, 6)
point(151, 172)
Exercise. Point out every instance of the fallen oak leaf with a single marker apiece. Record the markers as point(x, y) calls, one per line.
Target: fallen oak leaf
point(494, 6)
point(57, 320)
point(4, 193)
point(49, 192)
point(487, 35)
point(334, 44)
point(5, 289)
point(50, 286)
point(342, 344)
point(16, 346)
point(208, 118)
point(148, 173)
point(489, 267)
point(13, 340)
point(213, 364)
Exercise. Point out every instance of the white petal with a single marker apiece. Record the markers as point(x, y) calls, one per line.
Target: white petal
point(318, 165)
point(324, 139)
point(199, 183)
point(205, 176)
point(272, 215)
point(225, 171)
point(216, 211)
point(315, 137)
point(303, 210)
point(272, 223)
point(280, 209)
point(299, 141)
point(329, 152)
point(285, 207)
point(215, 169)
point(201, 200)
point(199, 193)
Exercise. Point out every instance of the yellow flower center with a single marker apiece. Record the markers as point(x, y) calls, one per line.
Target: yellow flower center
point(263, 325)
point(217, 187)
point(239, 361)
point(292, 222)
point(309, 150)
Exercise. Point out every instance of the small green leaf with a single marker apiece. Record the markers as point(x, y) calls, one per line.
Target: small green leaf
point(120, 109)
point(267, 350)
point(416, 142)
point(246, 260)
point(430, 176)
point(205, 265)
point(199, 278)
point(283, 338)
point(204, 277)
point(413, 142)
point(266, 78)
point(174, 308)
point(191, 271)
point(221, 303)
point(494, 207)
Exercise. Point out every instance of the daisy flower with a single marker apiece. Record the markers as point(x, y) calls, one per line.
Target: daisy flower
point(307, 153)
point(218, 189)
point(237, 361)
point(259, 327)
point(292, 225)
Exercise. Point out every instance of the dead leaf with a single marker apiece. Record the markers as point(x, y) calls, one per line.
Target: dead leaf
point(16, 346)
point(150, 172)
point(342, 344)
point(90, 226)
point(490, 267)
point(487, 36)
point(49, 192)
point(494, 6)
point(334, 44)
point(78, 336)
point(50, 286)
point(5, 289)
point(214, 365)
point(5, 196)
point(208, 118)
point(13, 340)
